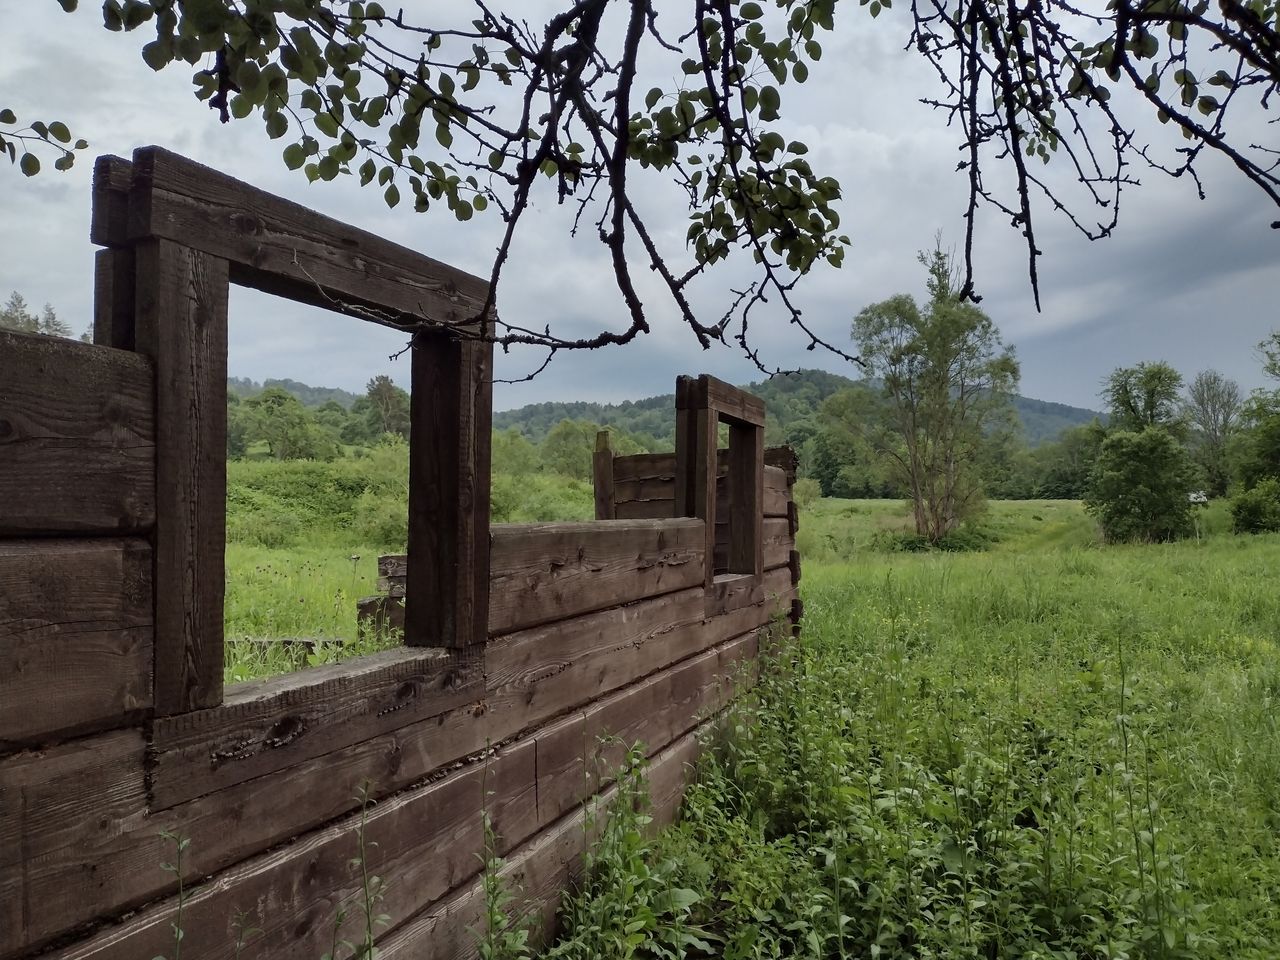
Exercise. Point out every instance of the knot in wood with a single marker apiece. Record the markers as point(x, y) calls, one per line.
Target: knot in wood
point(247, 224)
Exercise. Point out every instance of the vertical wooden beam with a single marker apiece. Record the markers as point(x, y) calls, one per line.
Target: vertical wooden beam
point(113, 298)
point(451, 415)
point(707, 431)
point(746, 499)
point(181, 323)
point(109, 217)
point(602, 476)
point(686, 449)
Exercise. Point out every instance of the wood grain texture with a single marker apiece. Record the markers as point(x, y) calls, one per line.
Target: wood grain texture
point(640, 466)
point(746, 499)
point(285, 249)
point(541, 870)
point(602, 477)
point(777, 544)
point(75, 637)
point(730, 402)
point(422, 842)
point(544, 572)
point(182, 325)
point(663, 488)
point(77, 438)
point(449, 458)
point(55, 805)
point(109, 218)
point(267, 725)
point(113, 301)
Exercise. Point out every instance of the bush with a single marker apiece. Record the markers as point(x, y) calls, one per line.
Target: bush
point(1257, 510)
point(806, 491)
point(1139, 486)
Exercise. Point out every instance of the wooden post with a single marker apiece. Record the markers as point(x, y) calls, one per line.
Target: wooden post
point(706, 433)
point(181, 323)
point(746, 499)
point(686, 448)
point(602, 476)
point(451, 414)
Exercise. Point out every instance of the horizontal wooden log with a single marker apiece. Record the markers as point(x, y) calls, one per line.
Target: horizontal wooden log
point(539, 872)
point(552, 571)
point(77, 438)
point(778, 544)
point(422, 843)
point(643, 466)
point(286, 249)
point(267, 725)
point(75, 637)
point(645, 510)
point(64, 805)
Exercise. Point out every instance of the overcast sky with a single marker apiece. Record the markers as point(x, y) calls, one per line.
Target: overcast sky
point(1194, 283)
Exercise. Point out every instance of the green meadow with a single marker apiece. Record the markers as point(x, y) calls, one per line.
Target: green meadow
point(1031, 746)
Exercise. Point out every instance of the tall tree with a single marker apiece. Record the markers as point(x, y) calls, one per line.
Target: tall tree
point(15, 316)
point(1213, 408)
point(490, 104)
point(947, 382)
point(389, 406)
point(51, 325)
point(1270, 350)
point(1146, 395)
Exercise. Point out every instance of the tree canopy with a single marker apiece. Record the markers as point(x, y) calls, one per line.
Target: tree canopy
point(484, 104)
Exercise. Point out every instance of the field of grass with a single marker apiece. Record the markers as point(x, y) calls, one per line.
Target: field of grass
point(1044, 748)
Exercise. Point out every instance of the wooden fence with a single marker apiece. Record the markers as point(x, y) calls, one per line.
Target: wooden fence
point(525, 645)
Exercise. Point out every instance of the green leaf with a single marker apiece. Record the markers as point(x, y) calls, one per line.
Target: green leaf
point(60, 131)
point(392, 195)
point(29, 164)
point(750, 11)
point(652, 97)
point(295, 155)
point(8, 116)
point(277, 125)
point(157, 54)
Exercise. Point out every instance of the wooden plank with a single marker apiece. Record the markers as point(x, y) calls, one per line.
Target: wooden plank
point(113, 302)
point(684, 466)
point(602, 477)
point(728, 401)
point(663, 486)
point(286, 249)
point(645, 509)
point(552, 571)
point(540, 871)
point(746, 499)
point(75, 637)
point(109, 220)
point(422, 843)
point(644, 466)
point(268, 725)
point(53, 800)
point(540, 673)
point(785, 459)
point(77, 438)
point(449, 458)
point(778, 544)
point(182, 326)
point(732, 591)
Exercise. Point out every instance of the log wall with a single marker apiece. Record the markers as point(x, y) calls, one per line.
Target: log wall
point(128, 773)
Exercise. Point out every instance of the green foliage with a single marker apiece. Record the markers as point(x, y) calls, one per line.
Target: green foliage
point(1257, 510)
point(806, 492)
point(1038, 751)
point(946, 386)
point(1140, 485)
point(1147, 395)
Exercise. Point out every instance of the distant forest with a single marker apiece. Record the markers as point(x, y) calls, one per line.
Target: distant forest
point(791, 400)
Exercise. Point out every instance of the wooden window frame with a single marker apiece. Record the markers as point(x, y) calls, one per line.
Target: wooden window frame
point(701, 406)
point(177, 235)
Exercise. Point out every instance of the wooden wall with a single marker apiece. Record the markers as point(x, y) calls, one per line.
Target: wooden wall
point(594, 629)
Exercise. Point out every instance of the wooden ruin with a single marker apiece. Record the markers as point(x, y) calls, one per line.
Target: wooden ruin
point(525, 645)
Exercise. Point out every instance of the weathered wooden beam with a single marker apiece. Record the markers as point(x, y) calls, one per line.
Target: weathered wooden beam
point(182, 326)
point(648, 466)
point(451, 414)
point(683, 469)
point(75, 637)
point(732, 403)
point(114, 273)
point(552, 571)
point(602, 477)
point(746, 499)
point(109, 217)
point(286, 249)
point(267, 725)
point(77, 438)
point(664, 488)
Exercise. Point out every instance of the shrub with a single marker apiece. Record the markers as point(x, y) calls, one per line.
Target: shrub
point(806, 491)
point(1139, 486)
point(1257, 510)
